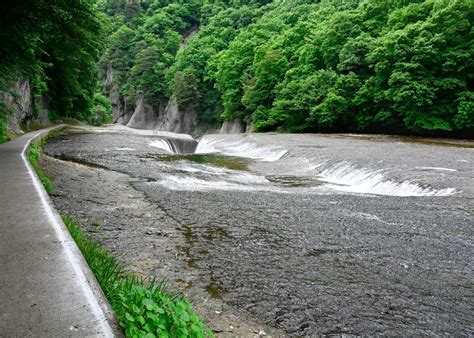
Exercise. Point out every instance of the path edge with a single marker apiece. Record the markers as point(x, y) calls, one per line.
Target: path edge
point(89, 285)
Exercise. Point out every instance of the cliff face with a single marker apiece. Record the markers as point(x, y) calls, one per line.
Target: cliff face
point(139, 114)
point(122, 110)
point(179, 120)
point(20, 102)
point(166, 116)
point(233, 127)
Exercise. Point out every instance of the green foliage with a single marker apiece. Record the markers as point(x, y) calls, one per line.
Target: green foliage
point(55, 44)
point(143, 46)
point(143, 308)
point(375, 66)
point(186, 88)
point(4, 112)
point(195, 61)
point(465, 116)
point(297, 65)
point(34, 156)
point(400, 66)
point(144, 54)
point(101, 113)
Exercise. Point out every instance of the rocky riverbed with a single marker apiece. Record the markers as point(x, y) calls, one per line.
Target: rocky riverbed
point(284, 234)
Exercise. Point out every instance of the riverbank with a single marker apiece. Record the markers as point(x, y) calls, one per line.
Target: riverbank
point(147, 240)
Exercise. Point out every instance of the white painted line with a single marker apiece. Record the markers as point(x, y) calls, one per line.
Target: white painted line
point(61, 235)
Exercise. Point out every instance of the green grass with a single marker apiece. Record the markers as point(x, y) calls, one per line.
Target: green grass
point(34, 155)
point(4, 112)
point(143, 307)
point(3, 132)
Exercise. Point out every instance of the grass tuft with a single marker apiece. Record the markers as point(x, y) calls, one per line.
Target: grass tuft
point(34, 155)
point(143, 307)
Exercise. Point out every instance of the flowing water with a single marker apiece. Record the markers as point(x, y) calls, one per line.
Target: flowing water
point(311, 234)
point(342, 176)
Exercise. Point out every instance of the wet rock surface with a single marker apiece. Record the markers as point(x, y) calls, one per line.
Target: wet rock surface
point(297, 250)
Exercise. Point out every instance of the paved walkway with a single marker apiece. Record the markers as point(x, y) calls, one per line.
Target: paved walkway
point(46, 288)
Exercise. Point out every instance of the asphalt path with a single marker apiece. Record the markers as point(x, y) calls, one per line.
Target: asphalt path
point(46, 288)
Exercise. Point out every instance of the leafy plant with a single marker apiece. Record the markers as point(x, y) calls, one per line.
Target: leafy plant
point(143, 307)
point(101, 113)
point(97, 223)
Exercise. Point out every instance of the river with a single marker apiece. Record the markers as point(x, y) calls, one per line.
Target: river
point(300, 234)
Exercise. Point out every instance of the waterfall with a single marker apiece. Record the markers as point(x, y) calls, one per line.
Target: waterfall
point(346, 177)
point(175, 146)
point(166, 145)
point(343, 176)
point(240, 148)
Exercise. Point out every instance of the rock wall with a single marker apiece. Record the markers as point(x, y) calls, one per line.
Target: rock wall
point(122, 110)
point(145, 116)
point(139, 114)
point(232, 127)
point(20, 102)
point(178, 120)
point(249, 128)
point(166, 116)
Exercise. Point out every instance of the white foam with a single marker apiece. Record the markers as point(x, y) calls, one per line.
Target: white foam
point(187, 183)
point(345, 177)
point(436, 168)
point(200, 168)
point(125, 149)
point(240, 148)
point(162, 144)
point(342, 177)
point(215, 173)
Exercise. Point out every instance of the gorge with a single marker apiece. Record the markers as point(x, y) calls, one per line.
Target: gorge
point(290, 167)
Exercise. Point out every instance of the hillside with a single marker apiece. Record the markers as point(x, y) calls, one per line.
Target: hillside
point(298, 66)
point(371, 66)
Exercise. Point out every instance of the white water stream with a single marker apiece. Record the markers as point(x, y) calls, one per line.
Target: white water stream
point(343, 177)
point(348, 178)
point(163, 144)
point(240, 148)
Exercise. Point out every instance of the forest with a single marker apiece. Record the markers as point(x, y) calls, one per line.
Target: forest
point(392, 66)
point(370, 66)
point(55, 44)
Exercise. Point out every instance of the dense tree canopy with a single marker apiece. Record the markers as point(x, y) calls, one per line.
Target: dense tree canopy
point(395, 66)
point(55, 44)
point(371, 66)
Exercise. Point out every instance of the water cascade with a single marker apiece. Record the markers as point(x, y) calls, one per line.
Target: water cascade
point(346, 177)
point(174, 146)
point(240, 148)
point(342, 177)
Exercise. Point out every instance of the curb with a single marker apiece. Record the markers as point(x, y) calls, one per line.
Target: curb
point(88, 283)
